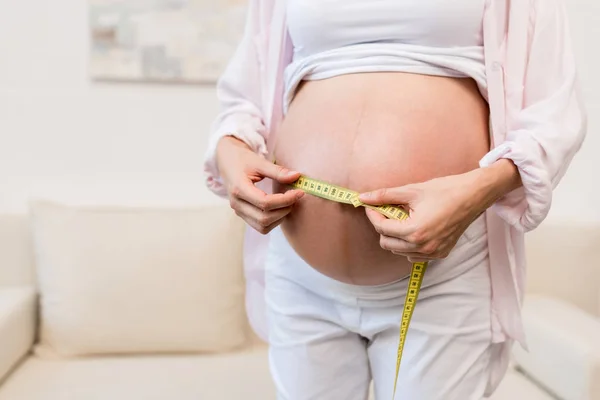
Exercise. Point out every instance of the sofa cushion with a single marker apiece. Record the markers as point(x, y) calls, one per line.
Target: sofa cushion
point(124, 280)
point(231, 376)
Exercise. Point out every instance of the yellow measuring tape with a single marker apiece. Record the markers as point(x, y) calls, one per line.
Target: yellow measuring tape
point(342, 195)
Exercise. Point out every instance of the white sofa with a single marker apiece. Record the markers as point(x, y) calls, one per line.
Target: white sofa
point(561, 315)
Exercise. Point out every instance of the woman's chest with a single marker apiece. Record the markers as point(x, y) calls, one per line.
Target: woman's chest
point(321, 25)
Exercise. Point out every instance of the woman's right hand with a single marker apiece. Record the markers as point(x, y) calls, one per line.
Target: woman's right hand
point(240, 168)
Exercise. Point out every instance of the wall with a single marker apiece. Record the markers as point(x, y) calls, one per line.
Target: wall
point(63, 136)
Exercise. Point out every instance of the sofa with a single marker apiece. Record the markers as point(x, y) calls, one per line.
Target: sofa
point(111, 302)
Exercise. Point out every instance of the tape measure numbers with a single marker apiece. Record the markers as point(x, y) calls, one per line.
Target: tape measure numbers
point(342, 195)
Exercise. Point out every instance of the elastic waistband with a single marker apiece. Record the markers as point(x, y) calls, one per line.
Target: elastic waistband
point(283, 262)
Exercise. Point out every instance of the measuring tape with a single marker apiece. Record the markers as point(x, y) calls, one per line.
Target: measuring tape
point(342, 195)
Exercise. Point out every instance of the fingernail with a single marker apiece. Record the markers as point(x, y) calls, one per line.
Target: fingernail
point(299, 195)
point(364, 196)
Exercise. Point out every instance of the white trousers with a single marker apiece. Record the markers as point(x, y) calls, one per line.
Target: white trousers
point(328, 339)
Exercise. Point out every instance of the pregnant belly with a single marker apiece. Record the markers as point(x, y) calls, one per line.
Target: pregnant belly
point(371, 131)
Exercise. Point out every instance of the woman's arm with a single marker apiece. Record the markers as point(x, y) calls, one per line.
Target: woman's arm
point(235, 159)
point(550, 125)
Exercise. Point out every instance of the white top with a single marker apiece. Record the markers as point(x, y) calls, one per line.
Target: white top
point(432, 37)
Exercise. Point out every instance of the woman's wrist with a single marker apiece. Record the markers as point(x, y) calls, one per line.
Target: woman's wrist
point(224, 145)
point(227, 141)
point(494, 182)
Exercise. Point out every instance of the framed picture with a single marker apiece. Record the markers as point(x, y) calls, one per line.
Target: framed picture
point(179, 41)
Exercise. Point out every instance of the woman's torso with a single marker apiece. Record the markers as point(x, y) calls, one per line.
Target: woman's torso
point(367, 130)
point(371, 131)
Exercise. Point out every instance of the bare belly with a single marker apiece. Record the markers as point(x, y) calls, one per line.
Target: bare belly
point(371, 131)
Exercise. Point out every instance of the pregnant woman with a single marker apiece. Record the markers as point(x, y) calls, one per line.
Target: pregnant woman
point(466, 114)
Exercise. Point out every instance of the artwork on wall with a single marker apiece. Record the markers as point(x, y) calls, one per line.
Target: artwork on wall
point(187, 41)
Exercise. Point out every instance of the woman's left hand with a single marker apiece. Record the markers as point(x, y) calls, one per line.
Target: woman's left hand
point(440, 211)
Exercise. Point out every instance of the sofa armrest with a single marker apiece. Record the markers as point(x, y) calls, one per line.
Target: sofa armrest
point(17, 326)
point(564, 348)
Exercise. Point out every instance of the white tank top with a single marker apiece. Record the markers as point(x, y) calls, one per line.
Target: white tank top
point(432, 37)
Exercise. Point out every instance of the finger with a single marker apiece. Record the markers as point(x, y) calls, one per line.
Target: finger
point(262, 229)
point(273, 225)
point(390, 227)
point(262, 221)
point(375, 217)
point(283, 200)
point(278, 220)
point(398, 195)
point(277, 172)
point(253, 195)
point(396, 245)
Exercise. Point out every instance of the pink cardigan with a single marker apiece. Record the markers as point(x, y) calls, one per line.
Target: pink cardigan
point(537, 119)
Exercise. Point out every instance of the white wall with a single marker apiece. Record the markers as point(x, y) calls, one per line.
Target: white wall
point(578, 195)
point(64, 136)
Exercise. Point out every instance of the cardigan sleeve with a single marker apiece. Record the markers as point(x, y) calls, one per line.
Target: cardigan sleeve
point(549, 128)
point(240, 100)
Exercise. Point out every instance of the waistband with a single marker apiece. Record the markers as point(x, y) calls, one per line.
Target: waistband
point(283, 262)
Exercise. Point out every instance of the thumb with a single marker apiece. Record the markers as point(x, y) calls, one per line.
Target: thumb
point(398, 195)
point(277, 172)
